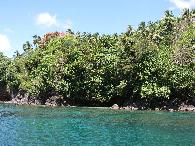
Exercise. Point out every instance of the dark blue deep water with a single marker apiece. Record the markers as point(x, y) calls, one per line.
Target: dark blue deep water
point(25, 125)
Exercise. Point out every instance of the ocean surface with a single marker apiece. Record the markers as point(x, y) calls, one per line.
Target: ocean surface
point(44, 126)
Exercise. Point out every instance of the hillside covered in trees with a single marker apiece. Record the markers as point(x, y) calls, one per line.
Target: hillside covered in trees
point(152, 66)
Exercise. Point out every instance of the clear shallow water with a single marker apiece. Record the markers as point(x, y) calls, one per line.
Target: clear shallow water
point(20, 125)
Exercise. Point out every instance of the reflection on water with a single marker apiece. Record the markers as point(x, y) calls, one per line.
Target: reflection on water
point(22, 125)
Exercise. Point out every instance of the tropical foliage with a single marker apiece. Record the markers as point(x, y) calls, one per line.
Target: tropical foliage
point(155, 61)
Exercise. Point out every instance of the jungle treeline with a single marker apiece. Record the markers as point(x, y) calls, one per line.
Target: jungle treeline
point(154, 62)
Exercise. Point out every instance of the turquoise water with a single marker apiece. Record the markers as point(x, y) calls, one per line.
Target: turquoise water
point(24, 125)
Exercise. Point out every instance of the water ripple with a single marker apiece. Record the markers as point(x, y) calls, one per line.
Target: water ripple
point(22, 125)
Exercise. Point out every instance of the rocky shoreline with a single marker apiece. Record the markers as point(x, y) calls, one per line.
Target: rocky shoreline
point(54, 103)
point(55, 100)
point(181, 108)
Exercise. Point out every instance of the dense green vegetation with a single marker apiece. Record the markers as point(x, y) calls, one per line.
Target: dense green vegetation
point(155, 62)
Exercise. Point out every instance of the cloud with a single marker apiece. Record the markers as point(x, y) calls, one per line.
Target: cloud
point(46, 19)
point(49, 20)
point(4, 43)
point(68, 24)
point(182, 4)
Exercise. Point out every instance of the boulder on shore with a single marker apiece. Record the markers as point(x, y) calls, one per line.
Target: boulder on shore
point(130, 107)
point(54, 101)
point(115, 106)
point(184, 107)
